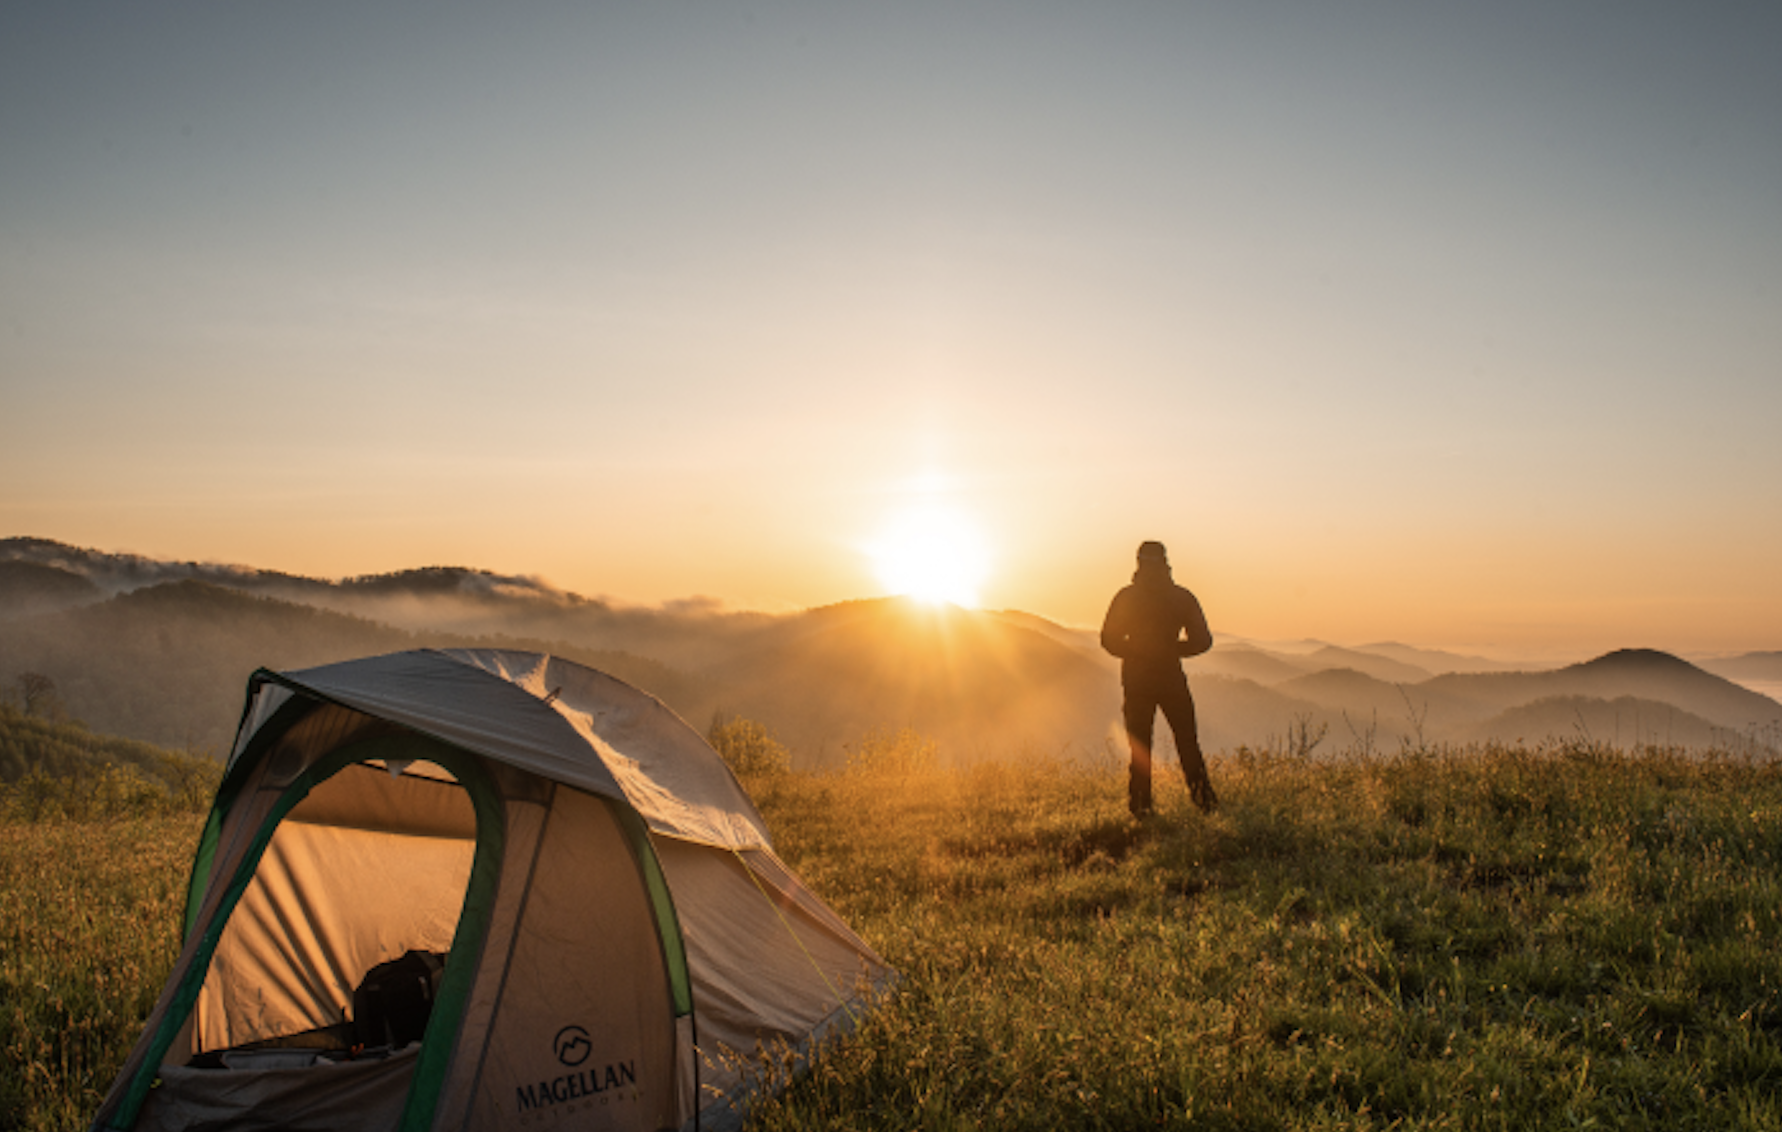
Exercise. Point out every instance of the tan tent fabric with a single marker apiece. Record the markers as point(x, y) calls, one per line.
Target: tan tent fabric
point(585, 1022)
point(368, 866)
point(420, 801)
point(770, 962)
point(326, 905)
point(559, 1007)
point(665, 769)
point(525, 822)
point(450, 699)
point(646, 753)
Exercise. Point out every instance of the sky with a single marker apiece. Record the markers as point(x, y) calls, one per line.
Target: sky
point(1453, 324)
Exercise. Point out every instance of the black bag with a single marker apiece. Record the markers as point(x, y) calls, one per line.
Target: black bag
point(392, 1003)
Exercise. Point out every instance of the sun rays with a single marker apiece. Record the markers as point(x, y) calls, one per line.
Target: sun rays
point(934, 553)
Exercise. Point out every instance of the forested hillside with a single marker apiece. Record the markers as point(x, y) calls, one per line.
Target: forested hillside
point(169, 664)
point(46, 765)
point(161, 651)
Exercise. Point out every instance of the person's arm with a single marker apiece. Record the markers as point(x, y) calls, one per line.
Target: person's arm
point(1113, 629)
point(1197, 637)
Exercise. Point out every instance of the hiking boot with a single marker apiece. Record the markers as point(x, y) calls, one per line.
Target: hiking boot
point(1138, 796)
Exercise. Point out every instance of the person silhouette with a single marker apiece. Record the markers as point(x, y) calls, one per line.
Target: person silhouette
point(1151, 625)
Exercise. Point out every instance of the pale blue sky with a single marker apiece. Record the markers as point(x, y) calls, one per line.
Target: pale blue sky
point(1453, 323)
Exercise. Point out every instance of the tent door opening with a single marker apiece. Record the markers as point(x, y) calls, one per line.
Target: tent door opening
point(336, 946)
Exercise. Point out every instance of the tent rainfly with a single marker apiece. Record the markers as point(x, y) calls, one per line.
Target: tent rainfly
point(481, 889)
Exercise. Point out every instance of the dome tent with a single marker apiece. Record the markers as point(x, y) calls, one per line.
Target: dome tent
point(609, 939)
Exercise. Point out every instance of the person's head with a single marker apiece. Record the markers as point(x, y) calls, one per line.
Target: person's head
point(1153, 564)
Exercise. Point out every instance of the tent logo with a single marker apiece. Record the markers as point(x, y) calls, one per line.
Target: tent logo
point(602, 1083)
point(572, 1045)
point(579, 1088)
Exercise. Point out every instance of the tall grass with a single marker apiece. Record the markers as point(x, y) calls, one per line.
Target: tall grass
point(1477, 939)
point(96, 840)
point(1488, 938)
point(89, 914)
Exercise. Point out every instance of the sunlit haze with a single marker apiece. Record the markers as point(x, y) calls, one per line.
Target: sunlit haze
point(934, 554)
point(1450, 324)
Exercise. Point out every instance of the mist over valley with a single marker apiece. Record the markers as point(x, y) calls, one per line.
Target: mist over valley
point(161, 651)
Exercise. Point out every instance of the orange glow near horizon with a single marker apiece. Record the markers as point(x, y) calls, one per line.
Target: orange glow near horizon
point(933, 553)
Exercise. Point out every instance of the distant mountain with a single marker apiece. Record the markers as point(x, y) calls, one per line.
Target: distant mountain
point(120, 573)
point(31, 587)
point(1086, 641)
point(168, 664)
point(979, 683)
point(449, 599)
point(1764, 666)
point(161, 651)
point(1439, 662)
point(1235, 712)
point(1379, 667)
point(1759, 672)
point(1641, 673)
point(1361, 709)
point(1345, 689)
point(1633, 696)
point(1625, 721)
point(1300, 648)
point(1243, 662)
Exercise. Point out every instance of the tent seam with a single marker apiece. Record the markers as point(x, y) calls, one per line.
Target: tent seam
point(840, 999)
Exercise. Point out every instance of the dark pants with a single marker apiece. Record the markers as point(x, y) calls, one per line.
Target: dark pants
point(1166, 688)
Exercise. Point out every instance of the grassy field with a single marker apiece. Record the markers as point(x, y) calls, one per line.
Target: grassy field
point(89, 919)
point(1486, 938)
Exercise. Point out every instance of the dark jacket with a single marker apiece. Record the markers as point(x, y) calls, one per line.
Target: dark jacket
point(1153, 623)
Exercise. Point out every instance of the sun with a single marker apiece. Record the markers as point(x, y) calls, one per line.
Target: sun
point(933, 554)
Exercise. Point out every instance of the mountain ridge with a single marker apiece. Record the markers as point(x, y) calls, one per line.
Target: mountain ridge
point(165, 662)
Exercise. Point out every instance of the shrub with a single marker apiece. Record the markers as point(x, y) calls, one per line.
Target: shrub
point(748, 747)
point(51, 770)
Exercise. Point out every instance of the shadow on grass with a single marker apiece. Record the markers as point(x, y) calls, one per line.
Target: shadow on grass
point(1111, 839)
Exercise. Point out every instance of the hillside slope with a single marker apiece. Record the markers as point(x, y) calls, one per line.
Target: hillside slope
point(160, 651)
point(453, 600)
point(169, 663)
point(29, 587)
point(977, 682)
point(30, 743)
point(1623, 722)
point(1640, 673)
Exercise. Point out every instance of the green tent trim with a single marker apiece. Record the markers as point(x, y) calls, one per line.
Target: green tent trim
point(473, 919)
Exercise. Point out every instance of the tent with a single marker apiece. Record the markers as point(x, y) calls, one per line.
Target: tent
point(558, 873)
